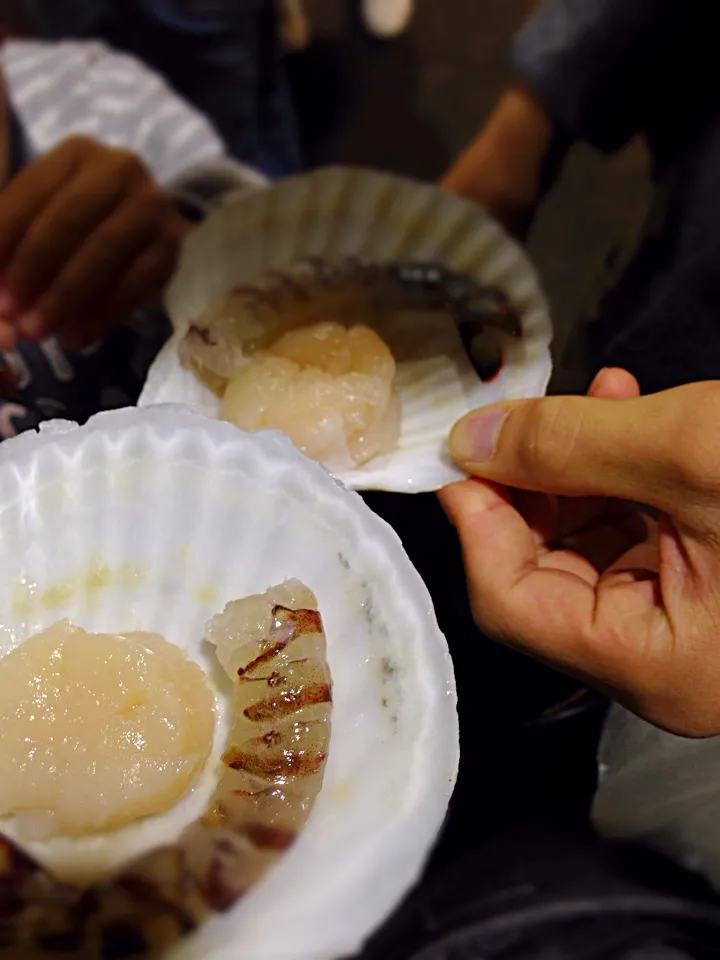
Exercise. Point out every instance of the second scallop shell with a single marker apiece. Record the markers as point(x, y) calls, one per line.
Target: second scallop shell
point(153, 520)
point(340, 213)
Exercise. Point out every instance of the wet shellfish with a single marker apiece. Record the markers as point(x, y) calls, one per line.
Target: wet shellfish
point(292, 351)
point(431, 271)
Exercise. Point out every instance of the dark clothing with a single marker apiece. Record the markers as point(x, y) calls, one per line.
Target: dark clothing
point(607, 70)
point(549, 891)
point(224, 56)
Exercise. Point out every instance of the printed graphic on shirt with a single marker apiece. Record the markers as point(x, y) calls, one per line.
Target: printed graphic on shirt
point(48, 382)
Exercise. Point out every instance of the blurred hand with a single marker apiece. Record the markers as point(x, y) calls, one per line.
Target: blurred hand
point(86, 236)
point(573, 573)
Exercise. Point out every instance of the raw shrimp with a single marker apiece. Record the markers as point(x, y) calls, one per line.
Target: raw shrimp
point(328, 388)
point(273, 648)
point(253, 316)
point(293, 351)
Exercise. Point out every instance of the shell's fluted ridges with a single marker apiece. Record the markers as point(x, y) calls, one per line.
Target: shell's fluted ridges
point(196, 505)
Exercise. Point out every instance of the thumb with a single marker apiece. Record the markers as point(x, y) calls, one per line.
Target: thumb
point(657, 450)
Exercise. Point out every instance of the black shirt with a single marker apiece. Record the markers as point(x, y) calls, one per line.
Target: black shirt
point(607, 70)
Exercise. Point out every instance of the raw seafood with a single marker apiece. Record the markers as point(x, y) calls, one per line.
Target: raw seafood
point(130, 715)
point(273, 647)
point(328, 388)
point(253, 316)
point(290, 351)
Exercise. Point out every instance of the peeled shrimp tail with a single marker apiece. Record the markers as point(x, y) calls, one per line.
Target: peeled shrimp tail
point(431, 286)
point(315, 290)
point(406, 285)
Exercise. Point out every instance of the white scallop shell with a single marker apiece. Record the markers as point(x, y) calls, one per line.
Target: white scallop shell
point(154, 519)
point(339, 212)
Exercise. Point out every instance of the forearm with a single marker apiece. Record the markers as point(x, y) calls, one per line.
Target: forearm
point(504, 167)
point(587, 64)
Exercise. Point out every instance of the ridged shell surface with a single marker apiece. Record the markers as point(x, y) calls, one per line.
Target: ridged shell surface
point(340, 212)
point(154, 519)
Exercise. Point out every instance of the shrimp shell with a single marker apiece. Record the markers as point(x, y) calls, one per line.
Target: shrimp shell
point(313, 290)
point(272, 772)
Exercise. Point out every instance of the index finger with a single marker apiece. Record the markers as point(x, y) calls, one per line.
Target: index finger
point(29, 193)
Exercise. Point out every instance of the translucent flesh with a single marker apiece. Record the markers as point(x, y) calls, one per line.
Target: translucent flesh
point(97, 731)
point(330, 389)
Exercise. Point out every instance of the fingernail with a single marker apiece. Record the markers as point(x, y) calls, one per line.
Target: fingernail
point(31, 325)
point(475, 438)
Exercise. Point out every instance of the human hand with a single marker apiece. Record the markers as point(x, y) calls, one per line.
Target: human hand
point(561, 563)
point(86, 236)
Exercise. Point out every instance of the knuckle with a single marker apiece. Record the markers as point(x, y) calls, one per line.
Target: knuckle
point(548, 437)
point(695, 440)
point(128, 165)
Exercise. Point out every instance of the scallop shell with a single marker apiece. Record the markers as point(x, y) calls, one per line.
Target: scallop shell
point(341, 212)
point(154, 519)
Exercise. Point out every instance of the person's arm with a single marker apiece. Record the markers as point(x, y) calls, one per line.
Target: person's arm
point(503, 168)
point(586, 70)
